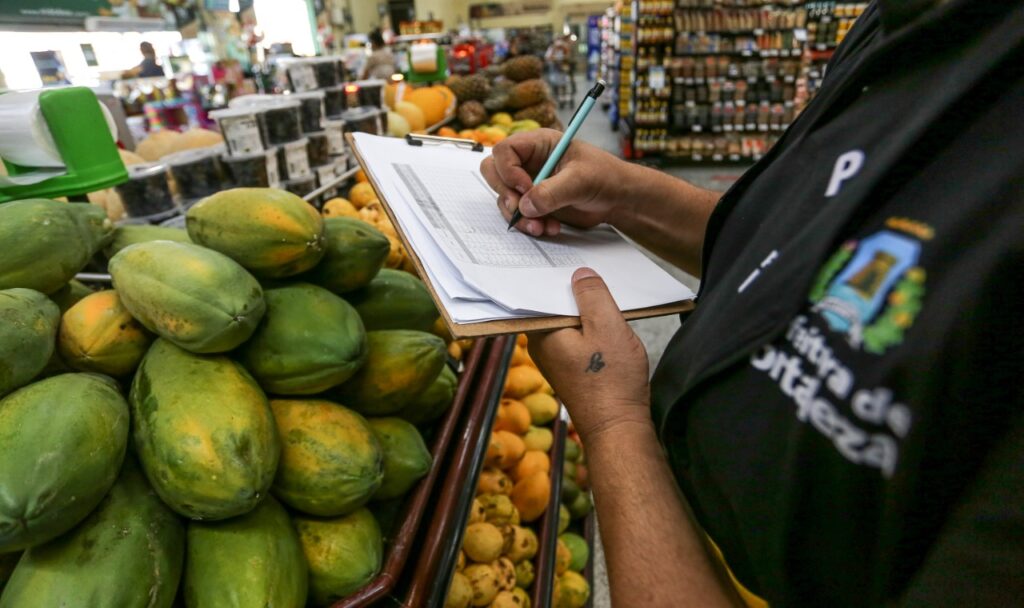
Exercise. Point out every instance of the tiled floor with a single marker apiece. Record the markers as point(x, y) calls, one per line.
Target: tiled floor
point(655, 333)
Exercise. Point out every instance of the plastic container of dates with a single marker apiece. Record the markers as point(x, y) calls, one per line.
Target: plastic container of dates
point(371, 92)
point(311, 110)
point(253, 170)
point(241, 129)
point(198, 172)
point(293, 159)
point(146, 193)
point(334, 101)
point(325, 70)
point(300, 186)
point(280, 122)
point(365, 120)
point(318, 149)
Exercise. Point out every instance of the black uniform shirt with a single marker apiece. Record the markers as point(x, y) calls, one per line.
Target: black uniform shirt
point(843, 409)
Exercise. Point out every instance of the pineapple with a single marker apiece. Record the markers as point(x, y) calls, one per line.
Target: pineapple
point(543, 113)
point(527, 93)
point(523, 68)
point(472, 113)
point(469, 88)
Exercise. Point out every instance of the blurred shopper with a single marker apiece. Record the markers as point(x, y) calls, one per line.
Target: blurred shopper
point(381, 62)
point(149, 67)
point(560, 67)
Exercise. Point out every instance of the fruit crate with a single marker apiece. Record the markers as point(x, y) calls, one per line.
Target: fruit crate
point(590, 534)
point(430, 580)
point(427, 583)
point(418, 502)
point(543, 583)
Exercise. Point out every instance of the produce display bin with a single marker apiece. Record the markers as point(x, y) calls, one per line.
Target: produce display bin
point(427, 582)
point(544, 580)
point(590, 534)
point(417, 502)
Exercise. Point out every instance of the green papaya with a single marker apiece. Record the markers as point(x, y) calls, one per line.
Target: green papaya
point(331, 462)
point(70, 294)
point(251, 561)
point(27, 336)
point(271, 232)
point(201, 300)
point(406, 457)
point(343, 554)
point(7, 563)
point(309, 341)
point(203, 432)
point(432, 403)
point(62, 442)
point(394, 299)
point(47, 242)
point(355, 253)
point(400, 364)
point(129, 234)
point(127, 554)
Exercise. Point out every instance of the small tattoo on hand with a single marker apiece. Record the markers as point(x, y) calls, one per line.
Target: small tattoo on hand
point(596, 363)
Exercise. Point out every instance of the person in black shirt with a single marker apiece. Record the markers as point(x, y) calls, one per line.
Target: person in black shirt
point(840, 418)
point(148, 68)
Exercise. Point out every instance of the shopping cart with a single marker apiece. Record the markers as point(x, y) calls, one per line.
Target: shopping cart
point(560, 79)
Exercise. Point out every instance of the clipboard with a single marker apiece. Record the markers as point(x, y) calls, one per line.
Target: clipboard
point(503, 326)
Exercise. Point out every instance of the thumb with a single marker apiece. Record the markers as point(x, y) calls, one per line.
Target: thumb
point(597, 307)
point(550, 195)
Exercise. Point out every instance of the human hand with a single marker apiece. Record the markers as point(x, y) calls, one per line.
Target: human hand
point(599, 371)
point(583, 191)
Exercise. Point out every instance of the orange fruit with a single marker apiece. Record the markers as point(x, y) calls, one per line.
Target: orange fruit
point(531, 462)
point(361, 195)
point(530, 495)
point(513, 416)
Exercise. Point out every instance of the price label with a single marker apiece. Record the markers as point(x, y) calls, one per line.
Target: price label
point(273, 175)
point(800, 34)
point(717, 157)
point(656, 77)
point(302, 76)
point(697, 128)
point(728, 128)
point(296, 160)
point(242, 134)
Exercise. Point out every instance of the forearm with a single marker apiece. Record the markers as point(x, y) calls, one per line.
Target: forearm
point(666, 215)
point(655, 552)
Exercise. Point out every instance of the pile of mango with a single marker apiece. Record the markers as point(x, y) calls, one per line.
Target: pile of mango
point(224, 424)
point(500, 126)
point(495, 567)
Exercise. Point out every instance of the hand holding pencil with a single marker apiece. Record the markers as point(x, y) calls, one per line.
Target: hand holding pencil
point(585, 186)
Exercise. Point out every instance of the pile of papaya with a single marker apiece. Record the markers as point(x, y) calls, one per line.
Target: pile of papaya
point(231, 424)
point(495, 566)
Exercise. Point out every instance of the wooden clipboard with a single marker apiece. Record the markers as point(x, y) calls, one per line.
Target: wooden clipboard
point(503, 326)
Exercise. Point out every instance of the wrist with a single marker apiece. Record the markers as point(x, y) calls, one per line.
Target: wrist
point(612, 429)
point(625, 191)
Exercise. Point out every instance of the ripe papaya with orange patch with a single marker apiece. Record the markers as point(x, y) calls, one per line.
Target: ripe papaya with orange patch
point(272, 233)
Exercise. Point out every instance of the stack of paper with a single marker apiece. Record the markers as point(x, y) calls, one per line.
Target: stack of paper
point(481, 272)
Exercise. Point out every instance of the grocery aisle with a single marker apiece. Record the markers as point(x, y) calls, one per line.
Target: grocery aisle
point(655, 333)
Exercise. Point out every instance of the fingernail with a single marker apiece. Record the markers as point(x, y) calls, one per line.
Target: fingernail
point(521, 189)
point(526, 206)
point(584, 273)
point(536, 228)
point(506, 202)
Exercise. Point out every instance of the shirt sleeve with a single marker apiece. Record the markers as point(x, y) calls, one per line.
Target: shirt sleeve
point(978, 558)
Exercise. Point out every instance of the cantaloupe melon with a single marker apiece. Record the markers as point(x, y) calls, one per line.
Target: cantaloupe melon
point(412, 114)
point(398, 126)
point(158, 145)
point(432, 101)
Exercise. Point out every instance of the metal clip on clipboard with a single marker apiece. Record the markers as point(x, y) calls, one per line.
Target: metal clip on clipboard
point(436, 140)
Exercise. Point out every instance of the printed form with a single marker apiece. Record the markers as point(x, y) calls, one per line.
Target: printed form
point(482, 271)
